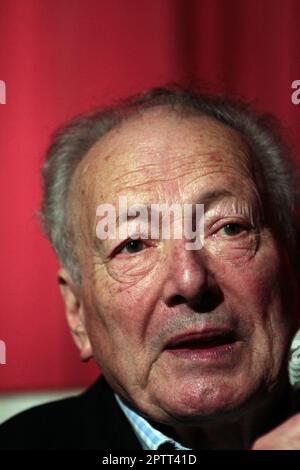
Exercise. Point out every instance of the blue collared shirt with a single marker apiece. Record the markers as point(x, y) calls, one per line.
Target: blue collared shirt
point(149, 437)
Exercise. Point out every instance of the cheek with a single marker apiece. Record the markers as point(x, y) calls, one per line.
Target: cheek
point(118, 315)
point(258, 287)
point(117, 326)
point(128, 271)
point(266, 286)
point(251, 275)
point(259, 291)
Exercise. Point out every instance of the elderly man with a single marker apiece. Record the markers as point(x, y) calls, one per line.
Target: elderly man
point(193, 343)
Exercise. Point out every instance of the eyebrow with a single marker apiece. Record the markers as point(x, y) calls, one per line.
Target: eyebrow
point(213, 196)
point(131, 217)
point(208, 199)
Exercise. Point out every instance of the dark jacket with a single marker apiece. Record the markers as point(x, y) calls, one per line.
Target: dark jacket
point(92, 420)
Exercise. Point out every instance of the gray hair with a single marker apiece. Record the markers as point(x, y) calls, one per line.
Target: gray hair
point(274, 169)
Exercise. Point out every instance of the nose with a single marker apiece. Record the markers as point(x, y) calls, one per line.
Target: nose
point(189, 281)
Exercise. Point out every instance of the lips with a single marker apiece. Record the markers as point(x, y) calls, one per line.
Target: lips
point(208, 339)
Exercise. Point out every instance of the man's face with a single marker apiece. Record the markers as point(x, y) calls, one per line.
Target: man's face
point(182, 334)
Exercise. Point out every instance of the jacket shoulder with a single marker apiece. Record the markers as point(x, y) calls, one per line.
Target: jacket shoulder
point(92, 420)
point(41, 426)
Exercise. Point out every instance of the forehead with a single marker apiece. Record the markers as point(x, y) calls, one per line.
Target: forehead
point(163, 153)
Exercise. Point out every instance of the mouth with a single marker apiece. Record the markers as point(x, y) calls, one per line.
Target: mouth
point(209, 339)
point(204, 345)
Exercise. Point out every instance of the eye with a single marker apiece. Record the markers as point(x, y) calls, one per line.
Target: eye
point(133, 246)
point(230, 230)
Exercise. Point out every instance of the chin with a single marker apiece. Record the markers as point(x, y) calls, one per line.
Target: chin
point(204, 402)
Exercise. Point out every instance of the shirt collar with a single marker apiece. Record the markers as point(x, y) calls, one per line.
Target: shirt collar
point(149, 437)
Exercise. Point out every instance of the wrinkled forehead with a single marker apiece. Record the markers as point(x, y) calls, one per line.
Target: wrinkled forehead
point(161, 155)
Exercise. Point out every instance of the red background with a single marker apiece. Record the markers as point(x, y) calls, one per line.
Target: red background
point(59, 58)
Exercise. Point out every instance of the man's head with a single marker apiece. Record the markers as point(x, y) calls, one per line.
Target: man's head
point(181, 335)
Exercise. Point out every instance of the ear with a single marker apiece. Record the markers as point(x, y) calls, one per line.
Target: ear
point(74, 314)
